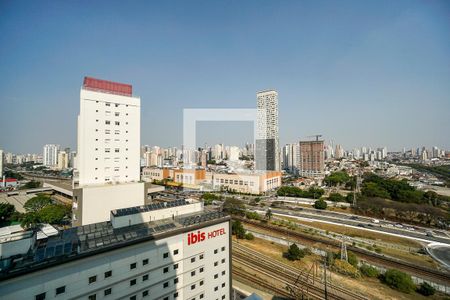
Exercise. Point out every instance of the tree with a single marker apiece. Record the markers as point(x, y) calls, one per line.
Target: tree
point(237, 229)
point(399, 280)
point(249, 236)
point(320, 204)
point(336, 197)
point(352, 259)
point(294, 252)
point(336, 178)
point(369, 271)
point(426, 289)
point(234, 206)
point(6, 211)
point(31, 185)
point(54, 213)
point(29, 220)
point(269, 214)
point(35, 204)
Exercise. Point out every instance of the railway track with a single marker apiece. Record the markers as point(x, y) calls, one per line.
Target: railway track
point(252, 278)
point(376, 259)
point(297, 280)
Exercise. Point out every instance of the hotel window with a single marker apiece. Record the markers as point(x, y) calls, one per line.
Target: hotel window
point(61, 290)
point(92, 297)
point(201, 256)
point(192, 273)
point(201, 282)
point(133, 297)
point(40, 296)
point(201, 296)
point(92, 279)
point(107, 113)
point(175, 281)
point(223, 249)
point(117, 105)
point(107, 150)
point(216, 250)
point(223, 260)
point(223, 284)
point(117, 123)
point(216, 289)
point(145, 293)
point(145, 262)
point(223, 273)
point(116, 150)
point(116, 114)
point(107, 122)
point(216, 263)
point(116, 131)
point(192, 259)
point(216, 276)
point(166, 270)
point(145, 277)
point(175, 266)
point(132, 266)
point(107, 292)
point(165, 284)
point(132, 282)
point(108, 274)
point(166, 255)
point(201, 270)
point(107, 141)
point(192, 286)
point(107, 131)
point(108, 104)
point(175, 295)
point(175, 252)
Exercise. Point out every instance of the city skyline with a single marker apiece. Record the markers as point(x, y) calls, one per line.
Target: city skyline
point(374, 84)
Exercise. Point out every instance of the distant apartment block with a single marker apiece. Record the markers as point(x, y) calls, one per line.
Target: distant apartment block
point(311, 158)
point(50, 155)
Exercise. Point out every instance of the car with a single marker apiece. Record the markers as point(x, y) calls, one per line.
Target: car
point(430, 233)
point(353, 218)
point(376, 221)
point(361, 225)
point(370, 225)
point(398, 225)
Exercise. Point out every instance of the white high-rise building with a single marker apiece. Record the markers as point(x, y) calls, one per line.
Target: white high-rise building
point(108, 154)
point(50, 155)
point(267, 156)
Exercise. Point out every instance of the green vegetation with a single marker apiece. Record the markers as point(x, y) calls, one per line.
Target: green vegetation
point(426, 289)
point(41, 209)
point(320, 204)
point(252, 215)
point(30, 185)
point(369, 271)
point(295, 253)
point(6, 212)
point(439, 171)
point(292, 191)
point(37, 203)
point(345, 268)
point(12, 174)
point(269, 214)
point(234, 206)
point(398, 190)
point(337, 178)
point(208, 198)
point(336, 197)
point(249, 236)
point(398, 280)
point(352, 259)
point(238, 229)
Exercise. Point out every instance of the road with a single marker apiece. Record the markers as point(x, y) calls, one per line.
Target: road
point(359, 222)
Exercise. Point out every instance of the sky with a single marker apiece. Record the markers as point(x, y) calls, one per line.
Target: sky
point(374, 73)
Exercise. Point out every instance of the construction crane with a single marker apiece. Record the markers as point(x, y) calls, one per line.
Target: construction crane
point(317, 136)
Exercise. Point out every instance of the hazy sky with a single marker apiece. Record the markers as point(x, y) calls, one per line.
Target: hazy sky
point(373, 73)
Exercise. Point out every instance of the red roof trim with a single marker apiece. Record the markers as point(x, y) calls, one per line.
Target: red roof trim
point(106, 86)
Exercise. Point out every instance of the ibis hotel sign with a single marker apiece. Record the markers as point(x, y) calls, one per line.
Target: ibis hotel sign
point(201, 235)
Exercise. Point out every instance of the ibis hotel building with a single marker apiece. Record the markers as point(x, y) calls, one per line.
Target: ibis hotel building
point(164, 250)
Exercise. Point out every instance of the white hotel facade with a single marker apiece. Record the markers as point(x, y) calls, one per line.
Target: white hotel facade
point(184, 253)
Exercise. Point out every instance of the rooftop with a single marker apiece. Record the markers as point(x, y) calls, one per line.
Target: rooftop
point(82, 241)
point(153, 206)
point(106, 86)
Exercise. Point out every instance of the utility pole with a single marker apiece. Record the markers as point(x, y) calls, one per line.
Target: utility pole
point(344, 250)
point(325, 275)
